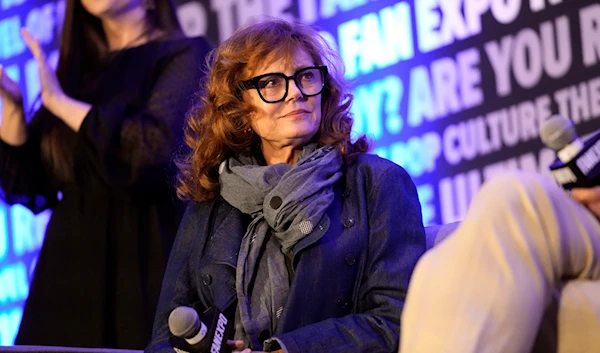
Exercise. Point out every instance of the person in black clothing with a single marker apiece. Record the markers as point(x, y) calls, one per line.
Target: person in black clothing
point(98, 153)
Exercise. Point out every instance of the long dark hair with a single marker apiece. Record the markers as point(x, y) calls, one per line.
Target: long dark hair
point(82, 42)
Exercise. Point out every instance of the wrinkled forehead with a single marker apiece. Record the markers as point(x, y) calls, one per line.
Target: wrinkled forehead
point(280, 57)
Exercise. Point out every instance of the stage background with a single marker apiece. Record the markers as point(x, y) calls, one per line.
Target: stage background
point(453, 90)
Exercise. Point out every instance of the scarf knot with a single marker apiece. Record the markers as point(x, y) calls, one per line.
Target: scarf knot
point(286, 203)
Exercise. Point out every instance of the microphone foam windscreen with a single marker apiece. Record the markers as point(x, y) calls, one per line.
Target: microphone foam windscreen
point(557, 132)
point(184, 322)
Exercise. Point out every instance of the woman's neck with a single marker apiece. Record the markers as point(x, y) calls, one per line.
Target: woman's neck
point(288, 154)
point(128, 30)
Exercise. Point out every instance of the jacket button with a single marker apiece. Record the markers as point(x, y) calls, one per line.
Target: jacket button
point(348, 222)
point(350, 260)
point(206, 279)
point(275, 202)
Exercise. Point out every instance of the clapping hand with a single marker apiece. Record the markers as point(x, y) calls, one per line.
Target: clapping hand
point(13, 129)
point(69, 110)
point(9, 91)
point(52, 93)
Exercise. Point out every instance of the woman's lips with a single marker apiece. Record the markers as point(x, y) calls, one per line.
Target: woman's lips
point(296, 113)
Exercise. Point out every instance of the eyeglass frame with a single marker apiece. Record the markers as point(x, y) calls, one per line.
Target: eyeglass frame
point(253, 82)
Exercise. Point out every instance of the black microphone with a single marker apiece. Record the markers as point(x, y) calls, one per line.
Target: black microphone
point(578, 162)
point(190, 334)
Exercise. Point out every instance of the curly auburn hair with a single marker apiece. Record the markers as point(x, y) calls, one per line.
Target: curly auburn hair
point(219, 126)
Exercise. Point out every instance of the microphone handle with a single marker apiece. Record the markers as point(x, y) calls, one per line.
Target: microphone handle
point(583, 169)
point(220, 329)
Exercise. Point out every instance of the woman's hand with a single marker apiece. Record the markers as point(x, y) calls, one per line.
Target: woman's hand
point(9, 91)
point(69, 110)
point(52, 93)
point(589, 197)
point(13, 128)
point(238, 347)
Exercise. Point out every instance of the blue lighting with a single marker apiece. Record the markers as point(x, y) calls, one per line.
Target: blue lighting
point(7, 4)
point(13, 283)
point(376, 107)
point(10, 39)
point(9, 325)
point(376, 40)
point(426, 197)
point(3, 233)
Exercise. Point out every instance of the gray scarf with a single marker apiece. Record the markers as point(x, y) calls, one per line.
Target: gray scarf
point(286, 203)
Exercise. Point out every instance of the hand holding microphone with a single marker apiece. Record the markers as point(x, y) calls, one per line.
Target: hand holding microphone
point(577, 167)
point(578, 162)
point(192, 334)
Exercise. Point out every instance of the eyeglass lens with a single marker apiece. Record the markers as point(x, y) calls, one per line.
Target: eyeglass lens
point(274, 87)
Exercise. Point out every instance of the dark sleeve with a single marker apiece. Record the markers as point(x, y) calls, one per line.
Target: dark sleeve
point(396, 242)
point(177, 287)
point(131, 147)
point(23, 179)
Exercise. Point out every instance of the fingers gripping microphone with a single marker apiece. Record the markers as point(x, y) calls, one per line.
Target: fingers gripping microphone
point(190, 334)
point(578, 162)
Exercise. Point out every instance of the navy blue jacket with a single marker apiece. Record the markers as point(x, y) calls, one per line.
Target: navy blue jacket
point(349, 282)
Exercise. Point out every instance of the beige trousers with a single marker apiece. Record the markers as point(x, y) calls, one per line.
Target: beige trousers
point(520, 274)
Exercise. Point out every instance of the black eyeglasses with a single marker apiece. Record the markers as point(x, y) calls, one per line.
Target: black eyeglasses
point(273, 87)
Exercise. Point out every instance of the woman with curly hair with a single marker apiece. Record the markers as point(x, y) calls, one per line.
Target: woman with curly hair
point(308, 240)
